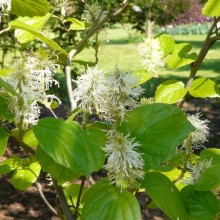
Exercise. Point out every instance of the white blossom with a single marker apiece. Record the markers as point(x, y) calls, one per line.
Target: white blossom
point(5, 5)
point(197, 138)
point(92, 90)
point(31, 81)
point(151, 54)
point(124, 165)
point(108, 94)
point(196, 171)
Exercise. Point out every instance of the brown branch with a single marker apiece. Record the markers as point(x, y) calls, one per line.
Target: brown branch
point(79, 197)
point(209, 41)
point(63, 202)
point(82, 43)
point(39, 189)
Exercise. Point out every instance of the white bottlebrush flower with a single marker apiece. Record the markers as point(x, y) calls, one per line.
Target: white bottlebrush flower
point(42, 67)
point(124, 92)
point(5, 5)
point(197, 138)
point(151, 54)
point(109, 94)
point(92, 90)
point(31, 81)
point(124, 165)
point(196, 171)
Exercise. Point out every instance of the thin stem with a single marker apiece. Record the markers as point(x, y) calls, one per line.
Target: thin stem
point(63, 202)
point(81, 45)
point(79, 197)
point(4, 30)
point(39, 189)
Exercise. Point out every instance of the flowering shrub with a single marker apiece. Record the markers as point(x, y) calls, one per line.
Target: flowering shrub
point(141, 144)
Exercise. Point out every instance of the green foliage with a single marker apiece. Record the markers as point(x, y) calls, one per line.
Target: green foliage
point(76, 25)
point(211, 154)
point(184, 29)
point(181, 56)
point(104, 201)
point(69, 146)
point(209, 179)
point(165, 194)
point(10, 164)
point(203, 88)
point(36, 22)
point(4, 113)
point(154, 127)
point(167, 43)
point(24, 176)
point(21, 25)
point(211, 8)
point(170, 91)
point(200, 205)
point(3, 140)
point(29, 8)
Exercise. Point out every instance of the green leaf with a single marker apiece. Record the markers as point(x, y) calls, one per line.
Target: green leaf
point(21, 25)
point(4, 112)
point(72, 192)
point(71, 147)
point(29, 138)
point(209, 179)
point(165, 194)
point(155, 127)
point(29, 8)
point(181, 56)
point(203, 88)
point(143, 76)
point(3, 141)
point(8, 87)
point(211, 8)
point(36, 23)
point(106, 202)
point(57, 171)
point(167, 43)
point(66, 145)
point(76, 25)
point(200, 205)
point(170, 91)
point(10, 164)
point(211, 154)
point(24, 177)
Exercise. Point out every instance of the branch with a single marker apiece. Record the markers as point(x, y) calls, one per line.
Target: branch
point(63, 201)
point(209, 41)
point(82, 43)
point(39, 189)
point(4, 30)
point(79, 197)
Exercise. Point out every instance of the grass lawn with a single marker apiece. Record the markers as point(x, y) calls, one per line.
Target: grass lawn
point(120, 47)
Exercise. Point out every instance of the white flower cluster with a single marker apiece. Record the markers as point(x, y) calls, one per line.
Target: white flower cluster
point(152, 55)
point(197, 138)
point(125, 164)
point(93, 13)
point(5, 5)
point(196, 171)
point(31, 81)
point(109, 94)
